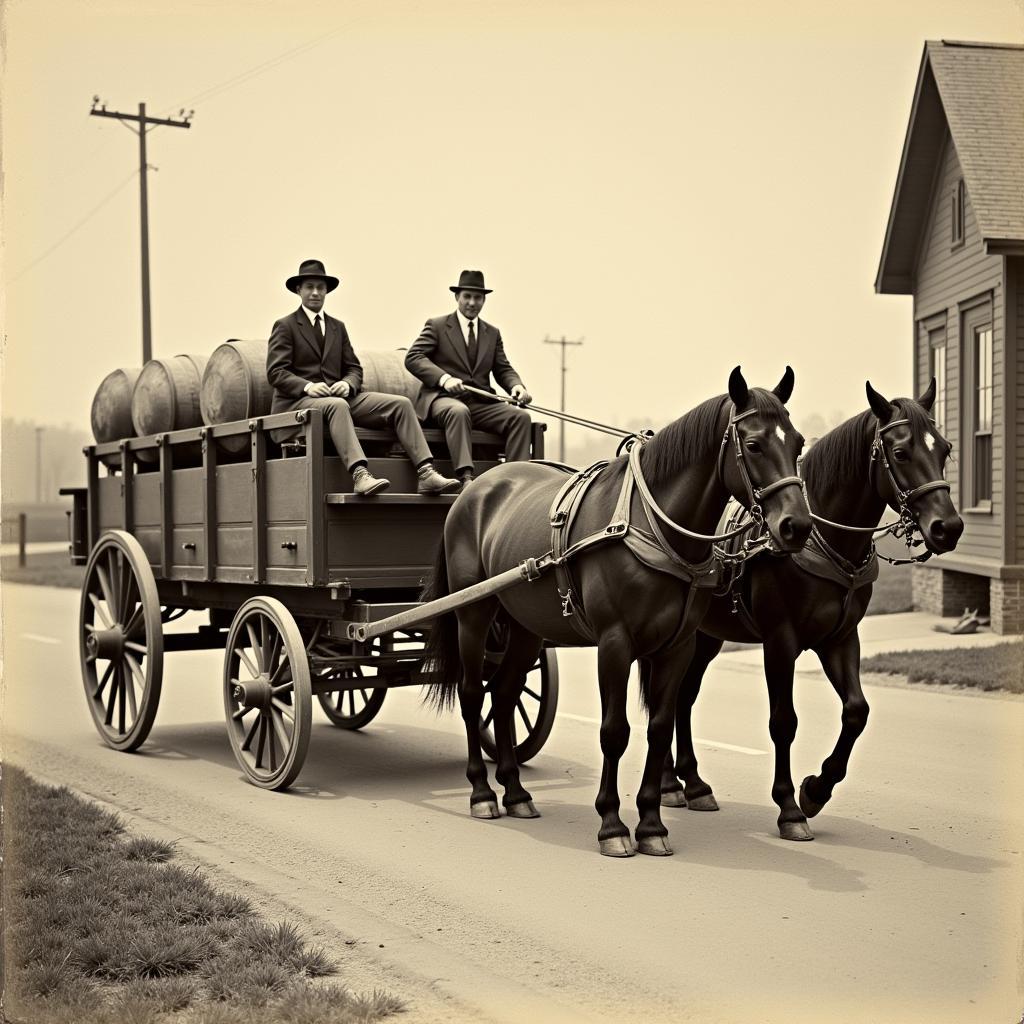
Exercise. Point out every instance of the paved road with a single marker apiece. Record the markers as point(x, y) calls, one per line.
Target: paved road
point(908, 907)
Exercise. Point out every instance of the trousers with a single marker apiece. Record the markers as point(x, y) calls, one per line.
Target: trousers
point(458, 416)
point(374, 410)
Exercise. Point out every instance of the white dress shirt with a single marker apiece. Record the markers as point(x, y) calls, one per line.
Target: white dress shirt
point(464, 324)
point(312, 315)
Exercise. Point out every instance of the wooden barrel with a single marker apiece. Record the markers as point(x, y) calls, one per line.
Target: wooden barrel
point(235, 387)
point(166, 395)
point(111, 414)
point(385, 371)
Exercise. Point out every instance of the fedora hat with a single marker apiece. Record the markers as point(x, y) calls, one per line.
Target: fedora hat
point(470, 281)
point(310, 268)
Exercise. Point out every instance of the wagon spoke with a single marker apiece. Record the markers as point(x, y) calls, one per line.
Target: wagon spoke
point(255, 645)
point(261, 742)
point(271, 744)
point(282, 688)
point(108, 594)
point(273, 653)
point(135, 673)
point(247, 742)
point(535, 696)
point(112, 699)
point(490, 716)
point(253, 671)
point(100, 611)
point(124, 585)
point(284, 709)
point(281, 732)
point(133, 646)
point(525, 716)
point(103, 681)
point(134, 622)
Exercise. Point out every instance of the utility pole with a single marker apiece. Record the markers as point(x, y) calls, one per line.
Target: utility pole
point(143, 121)
point(39, 465)
point(561, 426)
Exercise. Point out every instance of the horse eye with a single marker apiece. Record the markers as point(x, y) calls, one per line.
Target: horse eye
point(899, 455)
point(753, 446)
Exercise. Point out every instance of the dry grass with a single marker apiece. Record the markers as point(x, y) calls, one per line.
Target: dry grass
point(101, 929)
point(47, 569)
point(1000, 667)
point(891, 591)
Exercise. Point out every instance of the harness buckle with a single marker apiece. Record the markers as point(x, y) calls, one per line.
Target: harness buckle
point(568, 609)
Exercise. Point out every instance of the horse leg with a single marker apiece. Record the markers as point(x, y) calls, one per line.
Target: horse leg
point(779, 663)
point(474, 621)
point(661, 692)
point(841, 662)
point(614, 657)
point(506, 691)
point(697, 792)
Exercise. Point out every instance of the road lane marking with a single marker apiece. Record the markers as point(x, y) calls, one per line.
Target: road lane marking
point(42, 639)
point(704, 743)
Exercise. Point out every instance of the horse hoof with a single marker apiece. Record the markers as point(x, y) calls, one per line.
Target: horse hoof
point(654, 846)
point(617, 846)
point(673, 798)
point(703, 803)
point(485, 809)
point(797, 831)
point(807, 805)
point(525, 809)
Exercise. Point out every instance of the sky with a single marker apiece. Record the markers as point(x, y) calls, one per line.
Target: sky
point(684, 186)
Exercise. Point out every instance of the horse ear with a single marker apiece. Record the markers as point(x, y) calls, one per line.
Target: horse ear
point(927, 400)
point(784, 389)
point(738, 390)
point(880, 406)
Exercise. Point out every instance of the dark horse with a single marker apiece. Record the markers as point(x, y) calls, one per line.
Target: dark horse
point(742, 444)
point(891, 454)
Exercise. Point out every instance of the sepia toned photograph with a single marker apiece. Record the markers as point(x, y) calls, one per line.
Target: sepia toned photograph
point(512, 512)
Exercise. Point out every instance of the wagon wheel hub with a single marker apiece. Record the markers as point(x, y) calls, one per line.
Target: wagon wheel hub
point(106, 643)
point(254, 693)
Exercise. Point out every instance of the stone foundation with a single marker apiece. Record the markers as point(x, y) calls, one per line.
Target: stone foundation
point(1007, 601)
point(945, 592)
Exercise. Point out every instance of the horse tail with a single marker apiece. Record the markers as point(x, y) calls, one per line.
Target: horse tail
point(442, 663)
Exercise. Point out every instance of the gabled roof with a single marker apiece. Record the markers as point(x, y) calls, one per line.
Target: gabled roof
point(976, 90)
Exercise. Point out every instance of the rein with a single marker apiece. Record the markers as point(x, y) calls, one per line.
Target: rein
point(903, 528)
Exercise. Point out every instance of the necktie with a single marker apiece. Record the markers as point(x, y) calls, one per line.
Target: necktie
point(318, 330)
point(471, 346)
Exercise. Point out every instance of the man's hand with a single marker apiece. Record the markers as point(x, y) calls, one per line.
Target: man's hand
point(521, 395)
point(341, 389)
point(454, 386)
point(317, 389)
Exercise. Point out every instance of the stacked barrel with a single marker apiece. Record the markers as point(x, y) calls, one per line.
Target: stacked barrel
point(230, 384)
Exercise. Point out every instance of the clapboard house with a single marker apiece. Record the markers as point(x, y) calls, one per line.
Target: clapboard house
point(955, 242)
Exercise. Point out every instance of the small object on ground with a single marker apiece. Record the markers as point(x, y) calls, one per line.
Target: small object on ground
point(967, 623)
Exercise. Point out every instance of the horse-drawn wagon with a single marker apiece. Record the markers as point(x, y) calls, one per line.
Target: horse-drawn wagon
point(249, 522)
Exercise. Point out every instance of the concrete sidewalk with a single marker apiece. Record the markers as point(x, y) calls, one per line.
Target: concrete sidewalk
point(879, 634)
point(37, 547)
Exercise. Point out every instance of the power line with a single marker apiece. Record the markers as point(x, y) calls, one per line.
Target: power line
point(67, 234)
point(561, 426)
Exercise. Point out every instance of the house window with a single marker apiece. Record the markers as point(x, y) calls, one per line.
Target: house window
point(982, 415)
point(959, 201)
point(937, 369)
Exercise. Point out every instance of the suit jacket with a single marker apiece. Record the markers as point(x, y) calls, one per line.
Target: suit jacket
point(441, 349)
point(295, 356)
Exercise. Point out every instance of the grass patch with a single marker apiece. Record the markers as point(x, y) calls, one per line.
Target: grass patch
point(1000, 667)
point(101, 929)
point(891, 591)
point(46, 569)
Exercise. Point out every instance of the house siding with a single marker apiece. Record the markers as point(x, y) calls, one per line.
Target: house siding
point(947, 279)
point(1015, 271)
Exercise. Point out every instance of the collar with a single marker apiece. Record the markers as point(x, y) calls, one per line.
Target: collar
point(464, 324)
point(310, 316)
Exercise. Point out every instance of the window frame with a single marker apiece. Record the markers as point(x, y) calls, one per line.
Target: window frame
point(975, 321)
point(958, 214)
point(936, 339)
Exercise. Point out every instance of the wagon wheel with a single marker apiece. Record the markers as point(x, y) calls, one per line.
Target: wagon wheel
point(268, 698)
point(535, 714)
point(121, 641)
point(352, 709)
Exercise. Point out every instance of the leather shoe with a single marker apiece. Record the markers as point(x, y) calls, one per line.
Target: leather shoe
point(466, 477)
point(431, 482)
point(365, 483)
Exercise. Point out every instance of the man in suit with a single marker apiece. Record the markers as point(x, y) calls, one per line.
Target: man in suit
point(311, 364)
point(459, 349)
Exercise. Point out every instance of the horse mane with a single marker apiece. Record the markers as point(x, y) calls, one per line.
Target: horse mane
point(840, 456)
point(695, 436)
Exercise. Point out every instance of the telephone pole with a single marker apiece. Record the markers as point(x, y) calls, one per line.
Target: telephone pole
point(561, 426)
point(182, 121)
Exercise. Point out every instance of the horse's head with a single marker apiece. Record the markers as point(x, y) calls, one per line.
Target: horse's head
point(757, 463)
point(909, 456)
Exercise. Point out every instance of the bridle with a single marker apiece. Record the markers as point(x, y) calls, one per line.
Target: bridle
point(755, 495)
point(906, 526)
